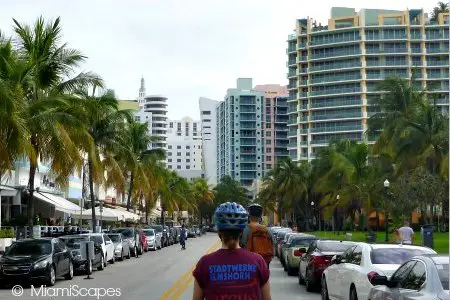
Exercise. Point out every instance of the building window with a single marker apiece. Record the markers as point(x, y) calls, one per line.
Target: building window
point(169, 147)
point(171, 125)
point(178, 133)
point(178, 153)
point(169, 166)
point(137, 119)
point(169, 160)
point(178, 147)
point(189, 147)
point(188, 167)
point(268, 133)
point(169, 154)
point(207, 120)
point(206, 112)
point(268, 142)
point(179, 167)
point(188, 153)
point(179, 126)
point(268, 125)
point(188, 160)
point(194, 126)
point(178, 160)
point(268, 167)
point(268, 158)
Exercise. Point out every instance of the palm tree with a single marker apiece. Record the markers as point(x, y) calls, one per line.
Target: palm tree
point(202, 195)
point(55, 135)
point(106, 124)
point(442, 7)
point(135, 140)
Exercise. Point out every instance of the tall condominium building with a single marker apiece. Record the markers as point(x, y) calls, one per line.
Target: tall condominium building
point(208, 116)
point(333, 70)
point(275, 118)
point(240, 149)
point(184, 147)
point(153, 110)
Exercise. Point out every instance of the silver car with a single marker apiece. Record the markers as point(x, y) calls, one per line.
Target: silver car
point(121, 246)
point(153, 239)
point(420, 278)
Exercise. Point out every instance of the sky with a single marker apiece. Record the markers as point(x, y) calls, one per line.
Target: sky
point(185, 49)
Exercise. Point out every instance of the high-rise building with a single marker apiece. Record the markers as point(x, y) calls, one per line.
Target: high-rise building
point(184, 147)
point(153, 110)
point(240, 149)
point(275, 118)
point(333, 70)
point(208, 113)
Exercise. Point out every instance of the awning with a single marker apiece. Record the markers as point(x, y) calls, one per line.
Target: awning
point(108, 214)
point(7, 191)
point(129, 216)
point(59, 202)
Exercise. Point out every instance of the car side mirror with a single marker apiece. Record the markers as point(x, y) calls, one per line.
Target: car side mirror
point(336, 259)
point(379, 280)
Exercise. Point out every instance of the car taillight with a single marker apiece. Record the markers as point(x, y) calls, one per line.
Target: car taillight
point(371, 275)
point(320, 260)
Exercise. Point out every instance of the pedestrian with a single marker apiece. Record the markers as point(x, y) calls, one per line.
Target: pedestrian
point(183, 237)
point(406, 234)
point(231, 272)
point(256, 238)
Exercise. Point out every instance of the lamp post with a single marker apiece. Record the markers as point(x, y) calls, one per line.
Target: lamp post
point(386, 224)
point(314, 214)
point(334, 213)
point(101, 215)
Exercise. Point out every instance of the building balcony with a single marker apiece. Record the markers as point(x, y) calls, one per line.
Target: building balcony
point(336, 129)
point(336, 116)
point(331, 103)
point(335, 66)
point(335, 91)
point(336, 78)
point(335, 54)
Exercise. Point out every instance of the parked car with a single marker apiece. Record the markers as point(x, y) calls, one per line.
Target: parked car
point(107, 246)
point(130, 233)
point(284, 244)
point(175, 232)
point(121, 246)
point(348, 276)
point(159, 232)
point(197, 231)
point(279, 241)
point(316, 259)
point(295, 242)
point(143, 241)
point(153, 240)
point(80, 265)
point(191, 232)
point(420, 278)
point(36, 260)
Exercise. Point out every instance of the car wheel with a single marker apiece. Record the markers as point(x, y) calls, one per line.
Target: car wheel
point(102, 263)
point(135, 252)
point(324, 292)
point(69, 275)
point(121, 256)
point(51, 277)
point(113, 259)
point(309, 284)
point(353, 294)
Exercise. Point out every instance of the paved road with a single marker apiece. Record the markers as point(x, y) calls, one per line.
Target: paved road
point(164, 274)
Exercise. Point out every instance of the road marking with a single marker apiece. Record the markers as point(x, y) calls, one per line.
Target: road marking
point(180, 286)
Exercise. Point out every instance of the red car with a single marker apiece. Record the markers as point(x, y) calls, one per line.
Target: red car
point(316, 259)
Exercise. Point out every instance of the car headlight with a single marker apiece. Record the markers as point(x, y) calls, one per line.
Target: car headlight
point(41, 265)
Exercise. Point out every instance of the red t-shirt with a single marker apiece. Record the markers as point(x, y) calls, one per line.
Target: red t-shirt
point(232, 274)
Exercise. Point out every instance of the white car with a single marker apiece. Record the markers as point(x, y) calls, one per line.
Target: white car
point(153, 239)
point(348, 277)
point(421, 278)
point(106, 243)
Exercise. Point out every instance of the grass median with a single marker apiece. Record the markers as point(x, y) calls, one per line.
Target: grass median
point(441, 239)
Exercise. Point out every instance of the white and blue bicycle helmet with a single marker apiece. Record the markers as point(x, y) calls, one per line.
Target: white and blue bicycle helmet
point(231, 215)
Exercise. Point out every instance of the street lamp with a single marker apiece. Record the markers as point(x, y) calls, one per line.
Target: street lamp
point(101, 215)
point(386, 224)
point(314, 214)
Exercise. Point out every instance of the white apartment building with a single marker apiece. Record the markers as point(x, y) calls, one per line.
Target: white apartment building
point(184, 147)
point(208, 109)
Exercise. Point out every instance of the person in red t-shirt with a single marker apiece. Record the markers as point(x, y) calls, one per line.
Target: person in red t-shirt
point(231, 272)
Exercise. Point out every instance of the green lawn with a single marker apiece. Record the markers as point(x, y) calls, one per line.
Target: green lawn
point(440, 238)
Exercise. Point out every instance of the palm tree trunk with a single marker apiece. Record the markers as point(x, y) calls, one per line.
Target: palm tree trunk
point(31, 177)
point(130, 190)
point(91, 192)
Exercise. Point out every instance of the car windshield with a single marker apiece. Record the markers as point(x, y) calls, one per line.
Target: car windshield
point(149, 232)
point(97, 239)
point(302, 241)
point(73, 242)
point(35, 247)
point(333, 246)
point(396, 256)
point(127, 232)
point(114, 237)
point(158, 228)
point(443, 275)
